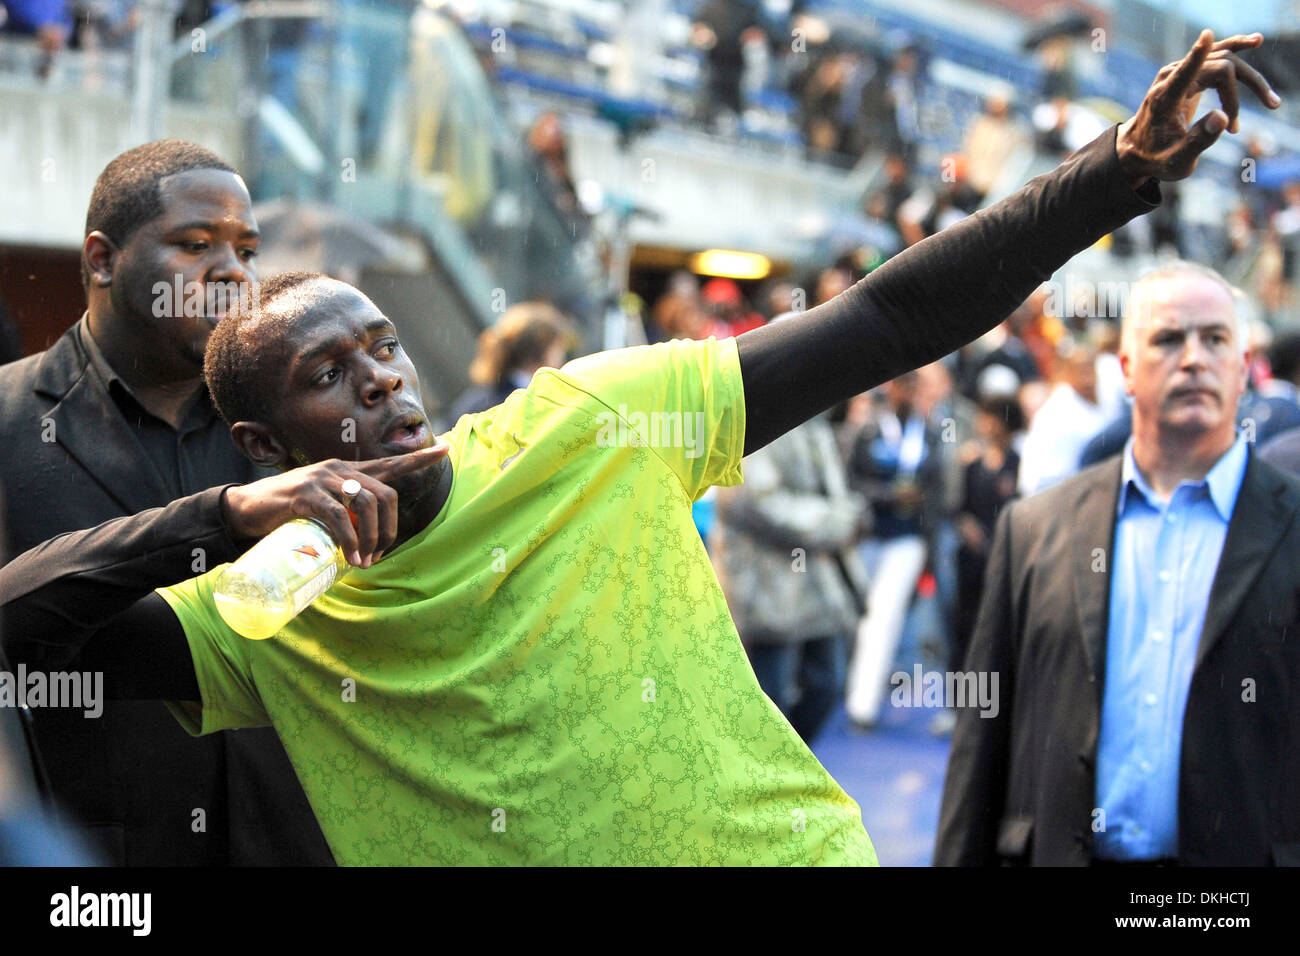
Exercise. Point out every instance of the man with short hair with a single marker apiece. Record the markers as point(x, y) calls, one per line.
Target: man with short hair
point(530, 659)
point(1138, 616)
point(113, 419)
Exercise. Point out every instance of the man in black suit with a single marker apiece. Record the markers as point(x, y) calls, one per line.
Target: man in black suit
point(1142, 617)
point(114, 419)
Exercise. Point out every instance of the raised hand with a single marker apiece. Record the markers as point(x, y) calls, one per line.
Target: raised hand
point(315, 491)
point(1161, 141)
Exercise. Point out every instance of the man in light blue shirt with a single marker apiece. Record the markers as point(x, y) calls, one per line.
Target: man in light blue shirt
point(1184, 355)
point(1165, 556)
point(1144, 620)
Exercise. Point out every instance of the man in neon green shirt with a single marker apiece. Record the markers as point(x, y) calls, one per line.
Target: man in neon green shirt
point(533, 676)
point(531, 660)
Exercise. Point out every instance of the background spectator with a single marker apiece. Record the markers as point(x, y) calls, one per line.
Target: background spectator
point(47, 22)
point(727, 310)
point(1064, 425)
point(992, 139)
point(722, 29)
point(528, 336)
point(550, 152)
point(989, 477)
point(896, 465)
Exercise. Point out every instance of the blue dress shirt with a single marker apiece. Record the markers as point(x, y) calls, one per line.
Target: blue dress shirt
point(1165, 558)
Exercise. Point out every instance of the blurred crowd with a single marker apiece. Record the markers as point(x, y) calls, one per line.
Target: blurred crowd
point(854, 94)
point(89, 24)
point(71, 24)
point(1250, 230)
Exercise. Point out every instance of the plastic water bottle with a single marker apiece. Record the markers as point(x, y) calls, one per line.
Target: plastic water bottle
point(278, 577)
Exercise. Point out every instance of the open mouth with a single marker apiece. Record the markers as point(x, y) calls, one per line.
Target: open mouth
point(409, 434)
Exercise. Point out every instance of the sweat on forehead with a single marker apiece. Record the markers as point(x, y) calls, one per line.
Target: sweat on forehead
point(282, 305)
point(247, 352)
point(292, 301)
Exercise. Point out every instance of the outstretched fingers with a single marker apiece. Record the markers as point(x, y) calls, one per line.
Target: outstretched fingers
point(1242, 41)
point(1252, 78)
point(1222, 72)
point(1186, 70)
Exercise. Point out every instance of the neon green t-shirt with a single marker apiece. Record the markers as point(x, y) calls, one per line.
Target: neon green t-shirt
point(548, 672)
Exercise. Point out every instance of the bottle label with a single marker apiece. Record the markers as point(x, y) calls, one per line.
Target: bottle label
point(314, 588)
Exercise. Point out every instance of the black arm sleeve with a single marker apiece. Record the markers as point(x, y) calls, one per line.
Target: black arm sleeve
point(936, 296)
point(86, 596)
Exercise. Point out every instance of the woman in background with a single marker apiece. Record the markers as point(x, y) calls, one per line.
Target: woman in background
point(528, 336)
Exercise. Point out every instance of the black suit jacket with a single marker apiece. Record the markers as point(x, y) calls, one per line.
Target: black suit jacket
point(132, 777)
point(1021, 785)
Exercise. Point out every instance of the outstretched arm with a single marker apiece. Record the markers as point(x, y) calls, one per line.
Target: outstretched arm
point(955, 286)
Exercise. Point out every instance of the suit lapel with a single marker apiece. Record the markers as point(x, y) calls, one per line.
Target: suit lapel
point(1259, 519)
point(1094, 519)
point(89, 427)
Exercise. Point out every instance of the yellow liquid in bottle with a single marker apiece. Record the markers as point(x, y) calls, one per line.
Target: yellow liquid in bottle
point(279, 576)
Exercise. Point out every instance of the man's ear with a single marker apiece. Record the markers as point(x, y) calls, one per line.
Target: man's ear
point(101, 256)
point(1126, 366)
point(256, 443)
